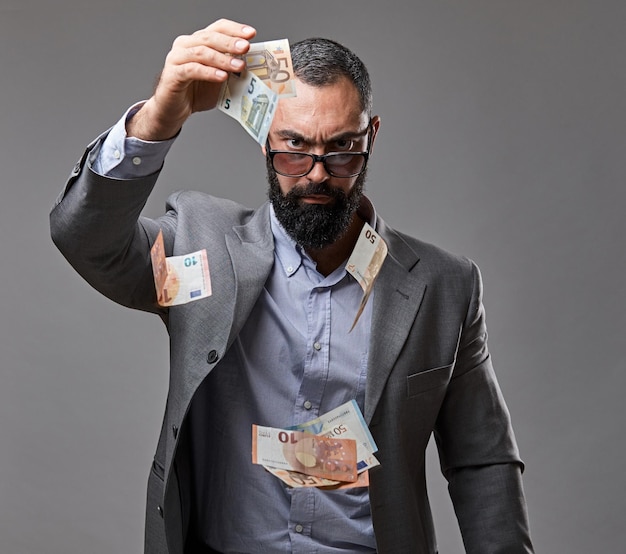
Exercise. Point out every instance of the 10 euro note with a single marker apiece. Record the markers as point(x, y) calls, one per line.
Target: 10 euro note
point(179, 279)
point(329, 458)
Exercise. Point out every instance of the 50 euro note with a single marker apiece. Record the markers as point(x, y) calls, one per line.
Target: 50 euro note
point(179, 279)
point(250, 96)
point(365, 263)
point(346, 422)
point(271, 62)
point(329, 458)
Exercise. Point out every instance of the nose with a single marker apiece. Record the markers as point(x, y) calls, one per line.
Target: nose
point(318, 173)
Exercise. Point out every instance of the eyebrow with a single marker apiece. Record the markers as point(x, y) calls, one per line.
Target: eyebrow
point(346, 135)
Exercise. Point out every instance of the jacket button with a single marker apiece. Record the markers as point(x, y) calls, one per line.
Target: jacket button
point(212, 357)
point(175, 431)
point(160, 510)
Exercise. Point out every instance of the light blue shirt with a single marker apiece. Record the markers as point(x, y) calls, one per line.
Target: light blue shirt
point(294, 359)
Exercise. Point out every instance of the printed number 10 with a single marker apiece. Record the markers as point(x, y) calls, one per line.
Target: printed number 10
point(287, 437)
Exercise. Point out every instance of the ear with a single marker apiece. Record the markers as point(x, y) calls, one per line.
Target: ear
point(264, 150)
point(375, 128)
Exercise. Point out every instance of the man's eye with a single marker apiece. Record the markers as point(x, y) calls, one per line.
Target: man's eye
point(343, 144)
point(295, 143)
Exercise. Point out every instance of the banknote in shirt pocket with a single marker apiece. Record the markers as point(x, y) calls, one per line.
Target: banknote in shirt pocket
point(427, 380)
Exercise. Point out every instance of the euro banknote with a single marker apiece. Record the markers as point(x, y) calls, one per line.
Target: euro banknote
point(179, 279)
point(299, 480)
point(245, 98)
point(271, 62)
point(250, 96)
point(329, 458)
point(346, 422)
point(365, 263)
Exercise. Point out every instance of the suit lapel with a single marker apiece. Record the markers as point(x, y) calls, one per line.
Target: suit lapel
point(251, 250)
point(398, 294)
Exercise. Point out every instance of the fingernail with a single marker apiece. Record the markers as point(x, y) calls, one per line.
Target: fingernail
point(237, 63)
point(248, 30)
point(241, 44)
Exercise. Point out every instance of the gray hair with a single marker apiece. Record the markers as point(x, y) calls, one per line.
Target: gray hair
point(320, 61)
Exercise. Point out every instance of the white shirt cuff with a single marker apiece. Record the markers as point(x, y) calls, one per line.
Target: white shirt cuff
point(124, 157)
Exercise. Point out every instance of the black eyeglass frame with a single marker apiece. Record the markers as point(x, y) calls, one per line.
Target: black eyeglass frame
point(323, 157)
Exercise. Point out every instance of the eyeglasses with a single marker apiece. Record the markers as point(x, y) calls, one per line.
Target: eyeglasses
point(336, 164)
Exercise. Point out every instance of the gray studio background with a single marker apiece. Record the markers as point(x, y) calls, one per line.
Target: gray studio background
point(502, 138)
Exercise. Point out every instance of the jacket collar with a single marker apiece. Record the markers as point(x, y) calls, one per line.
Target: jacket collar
point(398, 293)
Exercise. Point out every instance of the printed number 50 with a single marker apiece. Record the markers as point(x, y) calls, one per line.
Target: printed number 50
point(370, 236)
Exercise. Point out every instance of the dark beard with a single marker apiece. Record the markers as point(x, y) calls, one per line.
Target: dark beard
point(314, 226)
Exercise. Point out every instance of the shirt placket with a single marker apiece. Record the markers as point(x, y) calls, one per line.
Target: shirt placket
point(315, 371)
point(307, 406)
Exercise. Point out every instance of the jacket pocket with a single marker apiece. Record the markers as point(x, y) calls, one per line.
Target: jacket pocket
point(429, 379)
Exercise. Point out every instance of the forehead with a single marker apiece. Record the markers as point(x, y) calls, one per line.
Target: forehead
point(319, 112)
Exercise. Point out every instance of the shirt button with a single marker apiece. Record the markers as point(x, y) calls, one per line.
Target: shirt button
point(307, 405)
point(136, 160)
point(299, 528)
point(317, 346)
point(117, 154)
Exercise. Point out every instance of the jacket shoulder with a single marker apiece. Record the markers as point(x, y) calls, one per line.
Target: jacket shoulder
point(427, 257)
point(200, 203)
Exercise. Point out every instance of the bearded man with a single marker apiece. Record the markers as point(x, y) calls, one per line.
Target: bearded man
point(273, 344)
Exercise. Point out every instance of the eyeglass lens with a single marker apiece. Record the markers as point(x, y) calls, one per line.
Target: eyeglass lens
point(337, 164)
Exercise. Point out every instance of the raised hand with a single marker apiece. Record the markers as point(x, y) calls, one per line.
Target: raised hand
point(191, 79)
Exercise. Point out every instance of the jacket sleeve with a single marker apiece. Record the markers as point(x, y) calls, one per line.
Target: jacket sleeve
point(96, 224)
point(477, 448)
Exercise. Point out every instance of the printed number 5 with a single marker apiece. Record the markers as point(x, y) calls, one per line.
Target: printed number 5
point(251, 86)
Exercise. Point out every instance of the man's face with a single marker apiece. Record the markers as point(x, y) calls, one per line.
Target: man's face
point(317, 209)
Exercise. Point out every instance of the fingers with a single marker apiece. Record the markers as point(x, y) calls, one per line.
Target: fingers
point(192, 77)
point(211, 52)
point(197, 61)
point(232, 28)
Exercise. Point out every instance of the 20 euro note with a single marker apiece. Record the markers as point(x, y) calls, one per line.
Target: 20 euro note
point(329, 458)
point(346, 422)
point(179, 279)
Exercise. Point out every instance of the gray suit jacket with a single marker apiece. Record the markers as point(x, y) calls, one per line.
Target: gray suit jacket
point(429, 368)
